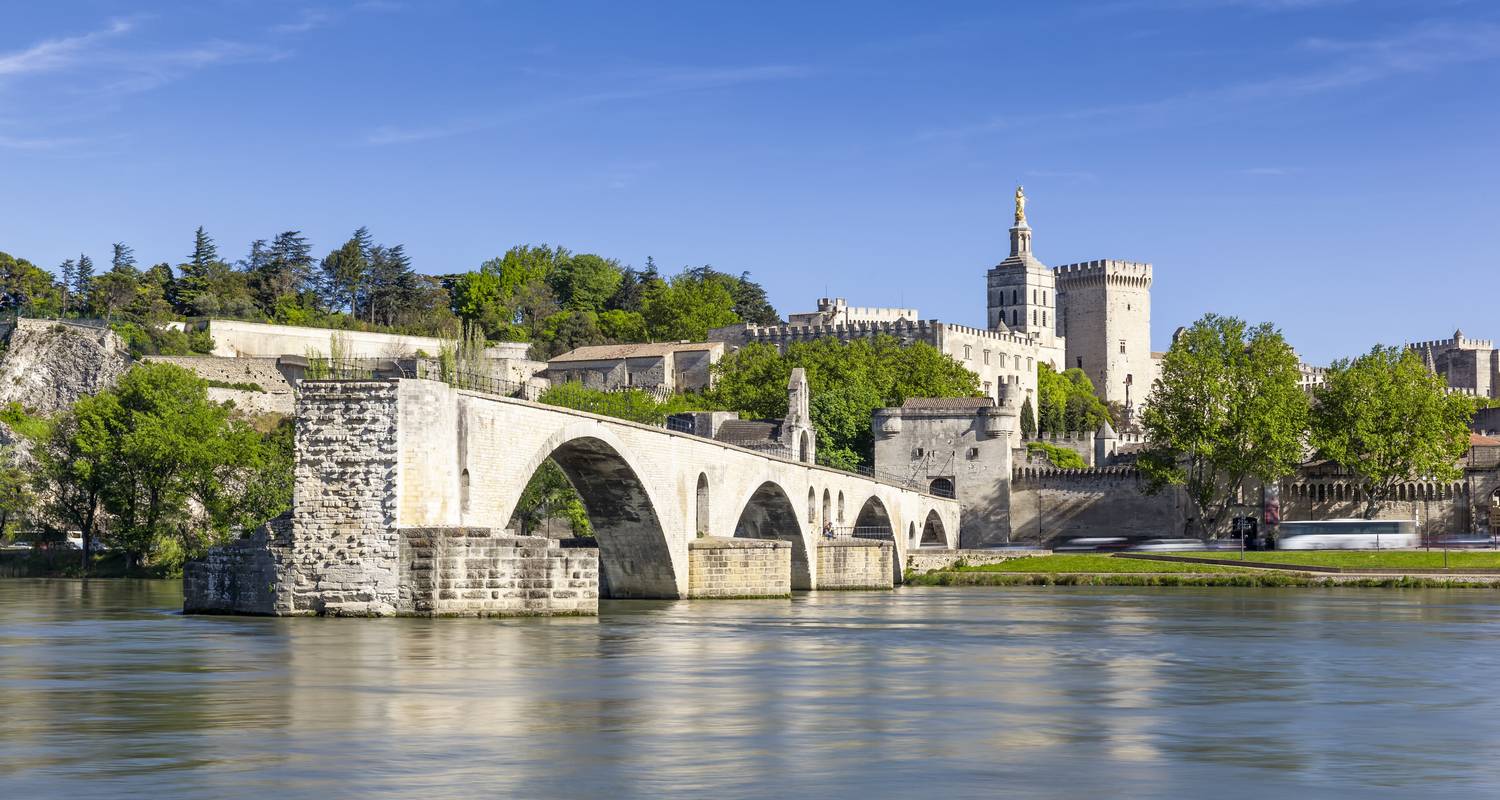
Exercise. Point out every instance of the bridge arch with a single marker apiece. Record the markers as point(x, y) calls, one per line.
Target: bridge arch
point(873, 519)
point(933, 534)
point(635, 558)
point(768, 513)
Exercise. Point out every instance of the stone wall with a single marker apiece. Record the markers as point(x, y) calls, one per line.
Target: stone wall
point(920, 561)
point(244, 576)
point(345, 544)
point(481, 572)
point(856, 564)
point(719, 567)
point(1048, 506)
point(1438, 508)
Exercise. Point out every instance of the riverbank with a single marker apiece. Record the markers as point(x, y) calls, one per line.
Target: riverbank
point(69, 564)
point(1389, 570)
point(1266, 579)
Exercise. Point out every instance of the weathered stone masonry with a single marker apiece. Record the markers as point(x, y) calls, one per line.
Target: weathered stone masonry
point(344, 540)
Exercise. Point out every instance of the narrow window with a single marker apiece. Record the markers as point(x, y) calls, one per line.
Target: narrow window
point(967, 355)
point(1044, 319)
point(1044, 297)
point(1122, 347)
point(1080, 362)
point(1013, 296)
point(986, 356)
point(986, 388)
point(1033, 295)
point(1033, 316)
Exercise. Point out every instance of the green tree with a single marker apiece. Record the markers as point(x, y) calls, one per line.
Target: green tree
point(345, 271)
point(26, 285)
point(585, 282)
point(622, 326)
point(122, 257)
point(83, 280)
point(1388, 419)
point(686, 307)
point(16, 496)
point(68, 271)
point(1227, 408)
point(1028, 419)
point(547, 495)
point(192, 286)
point(848, 380)
point(166, 470)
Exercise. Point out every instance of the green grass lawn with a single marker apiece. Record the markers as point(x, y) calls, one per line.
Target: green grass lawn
point(1357, 559)
point(1091, 563)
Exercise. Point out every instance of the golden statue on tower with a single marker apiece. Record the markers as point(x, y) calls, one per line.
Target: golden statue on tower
point(1020, 205)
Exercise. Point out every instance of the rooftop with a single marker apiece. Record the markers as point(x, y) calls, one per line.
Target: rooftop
point(947, 402)
point(613, 352)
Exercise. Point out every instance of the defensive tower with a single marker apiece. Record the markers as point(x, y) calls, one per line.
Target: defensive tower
point(1104, 312)
point(1022, 291)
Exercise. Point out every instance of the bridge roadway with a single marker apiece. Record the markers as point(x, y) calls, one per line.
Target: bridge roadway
point(381, 456)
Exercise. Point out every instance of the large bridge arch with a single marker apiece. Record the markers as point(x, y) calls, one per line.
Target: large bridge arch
point(635, 555)
point(768, 513)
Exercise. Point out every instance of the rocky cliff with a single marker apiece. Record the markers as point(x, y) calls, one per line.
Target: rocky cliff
point(47, 365)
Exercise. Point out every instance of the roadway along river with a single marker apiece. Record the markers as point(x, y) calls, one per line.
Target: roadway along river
point(106, 691)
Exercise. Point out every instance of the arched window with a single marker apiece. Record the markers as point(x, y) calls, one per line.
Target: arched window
point(812, 505)
point(841, 508)
point(942, 487)
point(827, 507)
point(702, 504)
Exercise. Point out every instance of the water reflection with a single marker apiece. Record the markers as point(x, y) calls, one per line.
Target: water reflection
point(106, 692)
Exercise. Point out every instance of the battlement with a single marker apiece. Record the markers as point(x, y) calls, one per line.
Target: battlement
point(1071, 436)
point(923, 329)
point(1033, 474)
point(1456, 342)
point(1105, 271)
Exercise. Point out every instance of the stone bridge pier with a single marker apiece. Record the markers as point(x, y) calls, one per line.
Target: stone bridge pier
point(404, 489)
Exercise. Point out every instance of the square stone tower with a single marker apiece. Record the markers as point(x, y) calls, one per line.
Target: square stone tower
point(1022, 292)
point(1104, 311)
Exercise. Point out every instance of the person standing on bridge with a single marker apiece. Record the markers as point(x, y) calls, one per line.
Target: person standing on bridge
point(827, 529)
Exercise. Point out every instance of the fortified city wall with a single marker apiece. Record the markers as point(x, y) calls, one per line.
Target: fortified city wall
point(1049, 506)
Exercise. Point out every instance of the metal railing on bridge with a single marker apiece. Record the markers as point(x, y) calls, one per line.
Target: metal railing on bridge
point(618, 404)
point(880, 532)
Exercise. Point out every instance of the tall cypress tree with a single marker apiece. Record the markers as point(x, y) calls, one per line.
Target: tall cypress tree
point(69, 272)
point(1028, 419)
point(193, 284)
point(83, 280)
point(123, 258)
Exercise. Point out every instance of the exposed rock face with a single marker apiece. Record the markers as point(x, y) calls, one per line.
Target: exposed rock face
point(47, 365)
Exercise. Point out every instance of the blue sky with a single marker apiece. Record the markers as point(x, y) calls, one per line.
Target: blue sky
point(1330, 165)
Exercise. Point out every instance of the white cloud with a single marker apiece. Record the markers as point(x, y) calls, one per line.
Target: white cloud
point(1349, 63)
point(56, 55)
point(307, 20)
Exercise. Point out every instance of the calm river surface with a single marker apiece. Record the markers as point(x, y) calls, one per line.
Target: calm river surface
point(107, 691)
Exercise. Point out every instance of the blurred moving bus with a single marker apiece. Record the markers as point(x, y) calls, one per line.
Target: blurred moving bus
point(1349, 534)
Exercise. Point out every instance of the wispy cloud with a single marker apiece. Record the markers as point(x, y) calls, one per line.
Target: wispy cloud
point(55, 55)
point(638, 85)
point(1348, 64)
point(95, 70)
point(308, 19)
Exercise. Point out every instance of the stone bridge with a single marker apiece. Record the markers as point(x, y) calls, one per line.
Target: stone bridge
point(393, 477)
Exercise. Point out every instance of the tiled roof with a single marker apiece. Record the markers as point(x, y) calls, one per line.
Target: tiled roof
point(614, 352)
point(748, 432)
point(1475, 440)
point(947, 402)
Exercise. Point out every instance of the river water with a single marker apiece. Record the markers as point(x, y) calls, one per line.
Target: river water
point(107, 691)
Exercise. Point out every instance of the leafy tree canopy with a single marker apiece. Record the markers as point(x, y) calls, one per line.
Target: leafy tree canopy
point(1227, 408)
point(1388, 419)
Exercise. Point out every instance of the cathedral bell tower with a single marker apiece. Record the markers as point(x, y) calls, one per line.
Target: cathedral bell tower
point(1022, 292)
